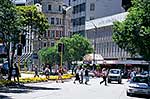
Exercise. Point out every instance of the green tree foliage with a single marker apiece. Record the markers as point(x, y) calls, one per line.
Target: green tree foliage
point(32, 19)
point(133, 34)
point(10, 28)
point(49, 55)
point(75, 48)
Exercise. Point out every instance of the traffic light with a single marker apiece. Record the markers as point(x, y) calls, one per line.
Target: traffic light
point(23, 40)
point(60, 47)
point(19, 49)
point(126, 4)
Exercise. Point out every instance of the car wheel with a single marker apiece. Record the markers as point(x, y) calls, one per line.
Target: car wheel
point(128, 94)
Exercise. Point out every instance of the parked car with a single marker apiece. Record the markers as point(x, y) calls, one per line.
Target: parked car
point(138, 85)
point(115, 75)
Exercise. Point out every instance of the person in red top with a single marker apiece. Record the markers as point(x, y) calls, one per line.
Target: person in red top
point(104, 74)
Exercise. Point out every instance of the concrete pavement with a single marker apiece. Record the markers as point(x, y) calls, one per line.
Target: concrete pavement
point(68, 90)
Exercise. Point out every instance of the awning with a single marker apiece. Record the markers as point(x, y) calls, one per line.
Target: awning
point(138, 62)
point(90, 57)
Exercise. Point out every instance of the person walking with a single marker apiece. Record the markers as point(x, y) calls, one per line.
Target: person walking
point(104, 74)
point(86, 76)
point(81, 75)
point(60, 73)
point(47, 72)
point(77, 78)
point(15, 72)
point(36, 71)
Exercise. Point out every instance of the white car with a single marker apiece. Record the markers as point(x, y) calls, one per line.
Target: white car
point(115, 75)
point(138, 85)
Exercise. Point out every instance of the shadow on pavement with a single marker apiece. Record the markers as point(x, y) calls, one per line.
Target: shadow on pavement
point(140, 96)
point(24, 89)
point(4, 97)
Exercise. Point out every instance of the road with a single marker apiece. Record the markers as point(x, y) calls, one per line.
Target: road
point(68, 90)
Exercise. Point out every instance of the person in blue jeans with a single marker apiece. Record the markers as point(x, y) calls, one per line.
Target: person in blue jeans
point(86, 76)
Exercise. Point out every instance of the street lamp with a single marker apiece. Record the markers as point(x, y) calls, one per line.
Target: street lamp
point(95, 34)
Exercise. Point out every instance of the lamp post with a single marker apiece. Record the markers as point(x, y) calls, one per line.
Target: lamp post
point(95, 34)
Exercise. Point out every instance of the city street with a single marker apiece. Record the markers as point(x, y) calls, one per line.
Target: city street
point(68, 90)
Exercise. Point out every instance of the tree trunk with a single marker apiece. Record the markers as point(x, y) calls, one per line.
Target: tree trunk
point(8, 59)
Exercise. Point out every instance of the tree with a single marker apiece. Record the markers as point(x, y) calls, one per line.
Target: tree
point(75, 48)
point(10, 28)
point(32, 20)
point(133, 34)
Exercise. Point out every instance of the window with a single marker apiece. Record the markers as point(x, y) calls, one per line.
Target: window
point(57, 34)
point(59, 8)
point(57, 21)
point(52, 34)
point(49, 7)
point(82, 7)
point(44, 44)
point(92, 7)
point(52, 44)
point(52, 20)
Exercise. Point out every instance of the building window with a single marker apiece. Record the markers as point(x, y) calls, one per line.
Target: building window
point(52, 34)
point(44, 44)
point(52, 43)
point(52, 20)
point(92, 7)
point(57, 21)
point(59, 8)
point(49, 7)
point(60, 21)
point(82, 7)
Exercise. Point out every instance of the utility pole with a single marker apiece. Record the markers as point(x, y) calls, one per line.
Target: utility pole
point(95, 34)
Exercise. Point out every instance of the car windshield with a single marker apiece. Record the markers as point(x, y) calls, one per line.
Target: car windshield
point(139, 79)
point(114, 71)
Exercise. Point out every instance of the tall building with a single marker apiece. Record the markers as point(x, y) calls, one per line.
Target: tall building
point(58, 17)
point(84, 10)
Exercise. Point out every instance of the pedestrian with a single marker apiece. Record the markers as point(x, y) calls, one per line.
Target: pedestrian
point(36, 71)
point(47, 72)
point(77, 78)
point(15, 72)
point(81, 75)
point(86, 76)
point(133, 73)
point(60, 74)
point(104, 74)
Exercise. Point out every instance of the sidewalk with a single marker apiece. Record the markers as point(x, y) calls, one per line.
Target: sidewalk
point(24, 75)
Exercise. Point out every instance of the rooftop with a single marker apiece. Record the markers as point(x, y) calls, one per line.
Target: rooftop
point(105, 21)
